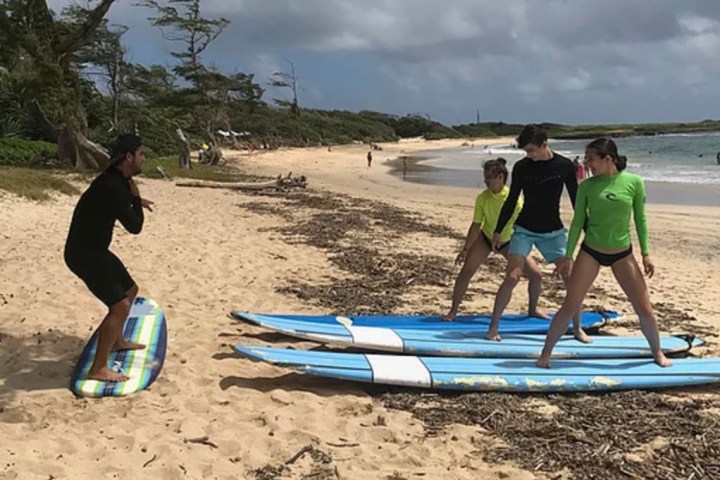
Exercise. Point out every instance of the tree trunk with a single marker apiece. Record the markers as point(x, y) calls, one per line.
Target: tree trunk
point(183, 150)
point(84, 154)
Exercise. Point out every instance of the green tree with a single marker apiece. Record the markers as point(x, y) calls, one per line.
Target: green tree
point(181, 21)
point(39, 50)
point(289, 81)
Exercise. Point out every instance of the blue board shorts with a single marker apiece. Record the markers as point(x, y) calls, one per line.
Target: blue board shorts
point(552, 245)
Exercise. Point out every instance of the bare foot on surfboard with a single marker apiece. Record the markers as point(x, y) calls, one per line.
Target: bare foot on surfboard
point(123, 344)
point(493, 335)
point(543, 362)
point(449, 317)
point(107, 375)
point(581, 336)
point(538, 313)
point(662, 360)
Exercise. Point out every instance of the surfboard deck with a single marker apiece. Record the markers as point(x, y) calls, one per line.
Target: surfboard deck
point(508, 323)
point(497, 375)
point(470, 343)
point(145, 324)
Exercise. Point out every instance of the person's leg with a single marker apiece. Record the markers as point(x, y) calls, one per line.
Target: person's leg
point(553, 247)
point(578, 331)
point(583, 275)
point(122, 343)
point(108, 332)
point(514, 270)
point(630, 278)
point(532, 271)
point(131, 290)
point(479, 251)
point(520, 246)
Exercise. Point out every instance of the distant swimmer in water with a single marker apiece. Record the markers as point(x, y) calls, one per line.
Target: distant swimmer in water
point(717, 158)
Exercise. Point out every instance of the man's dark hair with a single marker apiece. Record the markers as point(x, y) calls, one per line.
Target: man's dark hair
point(534, 134)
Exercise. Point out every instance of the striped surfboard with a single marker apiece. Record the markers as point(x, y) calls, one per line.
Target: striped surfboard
point(145, 324)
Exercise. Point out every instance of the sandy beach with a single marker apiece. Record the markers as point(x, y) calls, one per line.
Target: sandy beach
point(204, 252)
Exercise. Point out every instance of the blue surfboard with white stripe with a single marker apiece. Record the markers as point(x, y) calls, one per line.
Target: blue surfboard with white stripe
point(497, 375)
point(508, 323)
point(468, 343)
point(146, 325)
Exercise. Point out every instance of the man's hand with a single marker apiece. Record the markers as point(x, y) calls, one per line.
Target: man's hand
point(461, 257)
point(134, 188)
point(147, 204)
point(648, 266)
point(496, 242)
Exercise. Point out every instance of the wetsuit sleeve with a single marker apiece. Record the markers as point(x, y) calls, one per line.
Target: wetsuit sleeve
point(479, 216)
point(578, 221)
point(507, 231)
point(571, 184)
point(127, 209)
point(511, 201)
point(640, 217)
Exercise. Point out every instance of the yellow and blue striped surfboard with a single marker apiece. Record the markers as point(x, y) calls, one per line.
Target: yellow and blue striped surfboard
point(145, 324)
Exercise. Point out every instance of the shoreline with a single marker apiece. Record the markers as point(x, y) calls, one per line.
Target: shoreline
point(659, 193)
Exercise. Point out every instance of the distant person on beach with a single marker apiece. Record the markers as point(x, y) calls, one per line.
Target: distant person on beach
point(579, 169)
point(605, 204)
point(404, 160)
point(540, 176)
point(369, 158)
point(478, 244)
point(113, 195)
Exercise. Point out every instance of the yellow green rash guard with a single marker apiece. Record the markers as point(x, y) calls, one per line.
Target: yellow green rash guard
point(607, 203)
point(487, 210)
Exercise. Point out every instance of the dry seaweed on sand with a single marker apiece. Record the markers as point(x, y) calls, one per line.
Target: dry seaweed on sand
point(618, 435)
point(320, 467)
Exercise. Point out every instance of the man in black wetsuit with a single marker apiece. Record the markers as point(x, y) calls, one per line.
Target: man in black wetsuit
point(113, 195)
point(541, 176)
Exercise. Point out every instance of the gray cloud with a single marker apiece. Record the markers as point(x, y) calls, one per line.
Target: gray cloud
point(647, 60)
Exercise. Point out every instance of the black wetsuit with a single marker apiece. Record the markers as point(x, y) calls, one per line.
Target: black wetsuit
point(542, 183)
point(87, 250)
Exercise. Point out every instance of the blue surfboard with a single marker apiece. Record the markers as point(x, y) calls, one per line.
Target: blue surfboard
point(508, 323)
point(469, 343)
point(145, 324)
point(498, 375)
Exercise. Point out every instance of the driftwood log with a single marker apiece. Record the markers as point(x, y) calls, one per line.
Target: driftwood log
point(280, 183)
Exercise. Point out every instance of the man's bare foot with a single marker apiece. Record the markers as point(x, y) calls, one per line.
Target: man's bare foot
point(662, 360)
point(581, 336)
point(543, 362)
point(493, 335)
point(123, 344)
point(450, 316)
point(107, 375)
point(538, 313)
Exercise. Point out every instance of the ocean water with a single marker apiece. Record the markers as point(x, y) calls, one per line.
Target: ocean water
point(661, 158)
point(672, 161)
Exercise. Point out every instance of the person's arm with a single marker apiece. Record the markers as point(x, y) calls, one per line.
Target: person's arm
point(127, 207)
point(509, 226)
point(578, 221)
point(477, 223)
point(571, 184)
point(640, 218)
point(511, 201)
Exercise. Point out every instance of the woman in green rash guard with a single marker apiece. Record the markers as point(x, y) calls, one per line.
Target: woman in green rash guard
point(606, 201)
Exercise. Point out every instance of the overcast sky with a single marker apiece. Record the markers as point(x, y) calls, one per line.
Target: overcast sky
point(566, 61)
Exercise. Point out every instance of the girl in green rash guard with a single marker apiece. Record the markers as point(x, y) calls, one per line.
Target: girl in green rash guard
point(606, 201)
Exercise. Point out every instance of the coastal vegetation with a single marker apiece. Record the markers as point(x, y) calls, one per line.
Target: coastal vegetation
point(67, 88)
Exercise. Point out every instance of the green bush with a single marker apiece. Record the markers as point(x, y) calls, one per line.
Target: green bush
point(19, 152)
